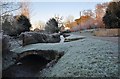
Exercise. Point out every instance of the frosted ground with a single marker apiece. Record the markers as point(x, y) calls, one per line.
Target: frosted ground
point(88, 57)
point(0, 55)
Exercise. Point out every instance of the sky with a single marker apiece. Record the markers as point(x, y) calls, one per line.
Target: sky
point(55, 0)
point(43, 11)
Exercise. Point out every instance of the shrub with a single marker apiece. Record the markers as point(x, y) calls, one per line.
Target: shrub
point(52, 26)
point(15, 26)
point(24, 24)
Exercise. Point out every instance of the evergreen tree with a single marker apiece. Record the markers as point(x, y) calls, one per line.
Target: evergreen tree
point(52, 26)
point(112, 16)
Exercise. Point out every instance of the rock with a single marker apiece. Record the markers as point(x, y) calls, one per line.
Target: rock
point(66, 35)
point(7, 59)
point(19, 63)
point(73, 38)
point(66, 31)
point(35, 37)
point(5, 44)
point(7, 55)
point(30, 63)
point(9, 42)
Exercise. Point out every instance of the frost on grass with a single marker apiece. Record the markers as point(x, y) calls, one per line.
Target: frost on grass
point(83, 58)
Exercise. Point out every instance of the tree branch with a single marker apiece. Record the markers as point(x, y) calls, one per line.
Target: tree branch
point(10, 10)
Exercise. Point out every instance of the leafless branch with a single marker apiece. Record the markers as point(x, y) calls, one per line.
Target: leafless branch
point(4, 4)
point(10, 10)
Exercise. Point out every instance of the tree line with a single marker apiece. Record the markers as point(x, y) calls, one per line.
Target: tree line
point(15, 25)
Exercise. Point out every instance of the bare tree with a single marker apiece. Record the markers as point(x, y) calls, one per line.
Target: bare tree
point(100, 12)
point(88, 13)
point(59, 19)
point(8, 7)
point(25, 9)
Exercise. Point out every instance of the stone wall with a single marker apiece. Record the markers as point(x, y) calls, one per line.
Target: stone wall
point(107, 32)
